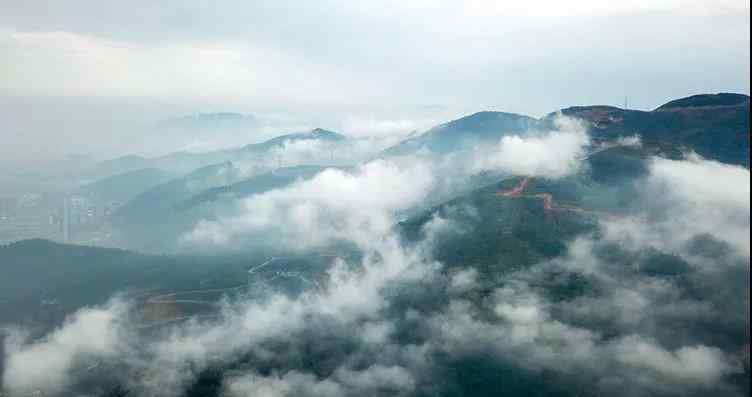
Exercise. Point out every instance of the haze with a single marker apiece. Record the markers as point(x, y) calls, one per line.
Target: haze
point(379, 199)
point(87, 77)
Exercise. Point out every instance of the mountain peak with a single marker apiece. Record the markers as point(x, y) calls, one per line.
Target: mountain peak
point(706, 100)
point(579, 109)
point(316, 133)
point(484, 126)
point(487, 118)
point(320, 133)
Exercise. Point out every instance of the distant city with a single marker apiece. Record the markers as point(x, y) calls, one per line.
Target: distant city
point(53, 216)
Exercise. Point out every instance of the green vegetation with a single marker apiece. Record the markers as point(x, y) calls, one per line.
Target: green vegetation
point(497, 234)
point(44, 281)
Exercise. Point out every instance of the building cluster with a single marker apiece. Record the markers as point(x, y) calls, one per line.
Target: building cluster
point(49, 216)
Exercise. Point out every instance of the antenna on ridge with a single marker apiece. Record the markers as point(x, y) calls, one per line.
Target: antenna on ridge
point(625, 103)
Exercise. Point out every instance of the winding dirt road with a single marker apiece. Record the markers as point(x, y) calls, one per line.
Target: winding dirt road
point(169, 298)
point(517, 190)
point(549, 205)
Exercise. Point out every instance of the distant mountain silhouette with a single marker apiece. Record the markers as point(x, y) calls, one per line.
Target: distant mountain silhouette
point(182, 162)
point(317, 134)
point(125, 186)
point(151, 203)
point(254, 185)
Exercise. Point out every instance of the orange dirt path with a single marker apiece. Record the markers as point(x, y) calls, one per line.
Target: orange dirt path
point(548, 200)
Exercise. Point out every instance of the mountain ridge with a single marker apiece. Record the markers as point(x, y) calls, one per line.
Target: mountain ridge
point(182, 161)
point(715, 126)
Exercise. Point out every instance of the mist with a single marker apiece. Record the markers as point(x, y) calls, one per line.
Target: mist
point(85, 70)
point(382, 199)
point(401, 318)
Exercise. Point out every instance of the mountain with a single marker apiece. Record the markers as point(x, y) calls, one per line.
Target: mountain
point(163, 197)
point(182, 162)
point(316, 134)
point(706, 100)
point(116, 166)
point(500, 234)
point(519, 285)
point(619, 164)
point(716, 126)
point(478, 128)
point(123, 187)
point(257, 184)
point(65, 277)
point(155, 220)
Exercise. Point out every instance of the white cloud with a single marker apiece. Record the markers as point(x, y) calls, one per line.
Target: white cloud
point(359, 205)
point(46, 364)
point(704, 182)
point(692, 197)
point(274, 57)
point(356, 206)
point(632, 140)
point(516, 323)
point(355, 296)
point(527, 333)
point(223, 71)
point(292, 383)
point(693, 364)
point(553, 154)
point(393, 379)
point(320, 152)
point(464, 280)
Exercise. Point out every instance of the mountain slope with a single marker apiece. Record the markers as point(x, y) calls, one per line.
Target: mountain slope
point(478, 128)
point(163, 197)
point(254, 185)
point(66, 277)
point(495, 233)
point(705, 100)
point(123, 187)
point(117, 166)
point(183, 162)
point(155, 220)
point(316, 134)
point(714, 126)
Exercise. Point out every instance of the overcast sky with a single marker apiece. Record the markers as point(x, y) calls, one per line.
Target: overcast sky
point(91, 76)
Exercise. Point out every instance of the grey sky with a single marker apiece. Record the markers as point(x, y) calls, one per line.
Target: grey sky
point(82, 76)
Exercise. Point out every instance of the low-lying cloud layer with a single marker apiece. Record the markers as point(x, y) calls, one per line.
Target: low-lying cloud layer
point(636, 306)
point(552, 154)
point(690, 198)
point(335, 204)
point(89, 335)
